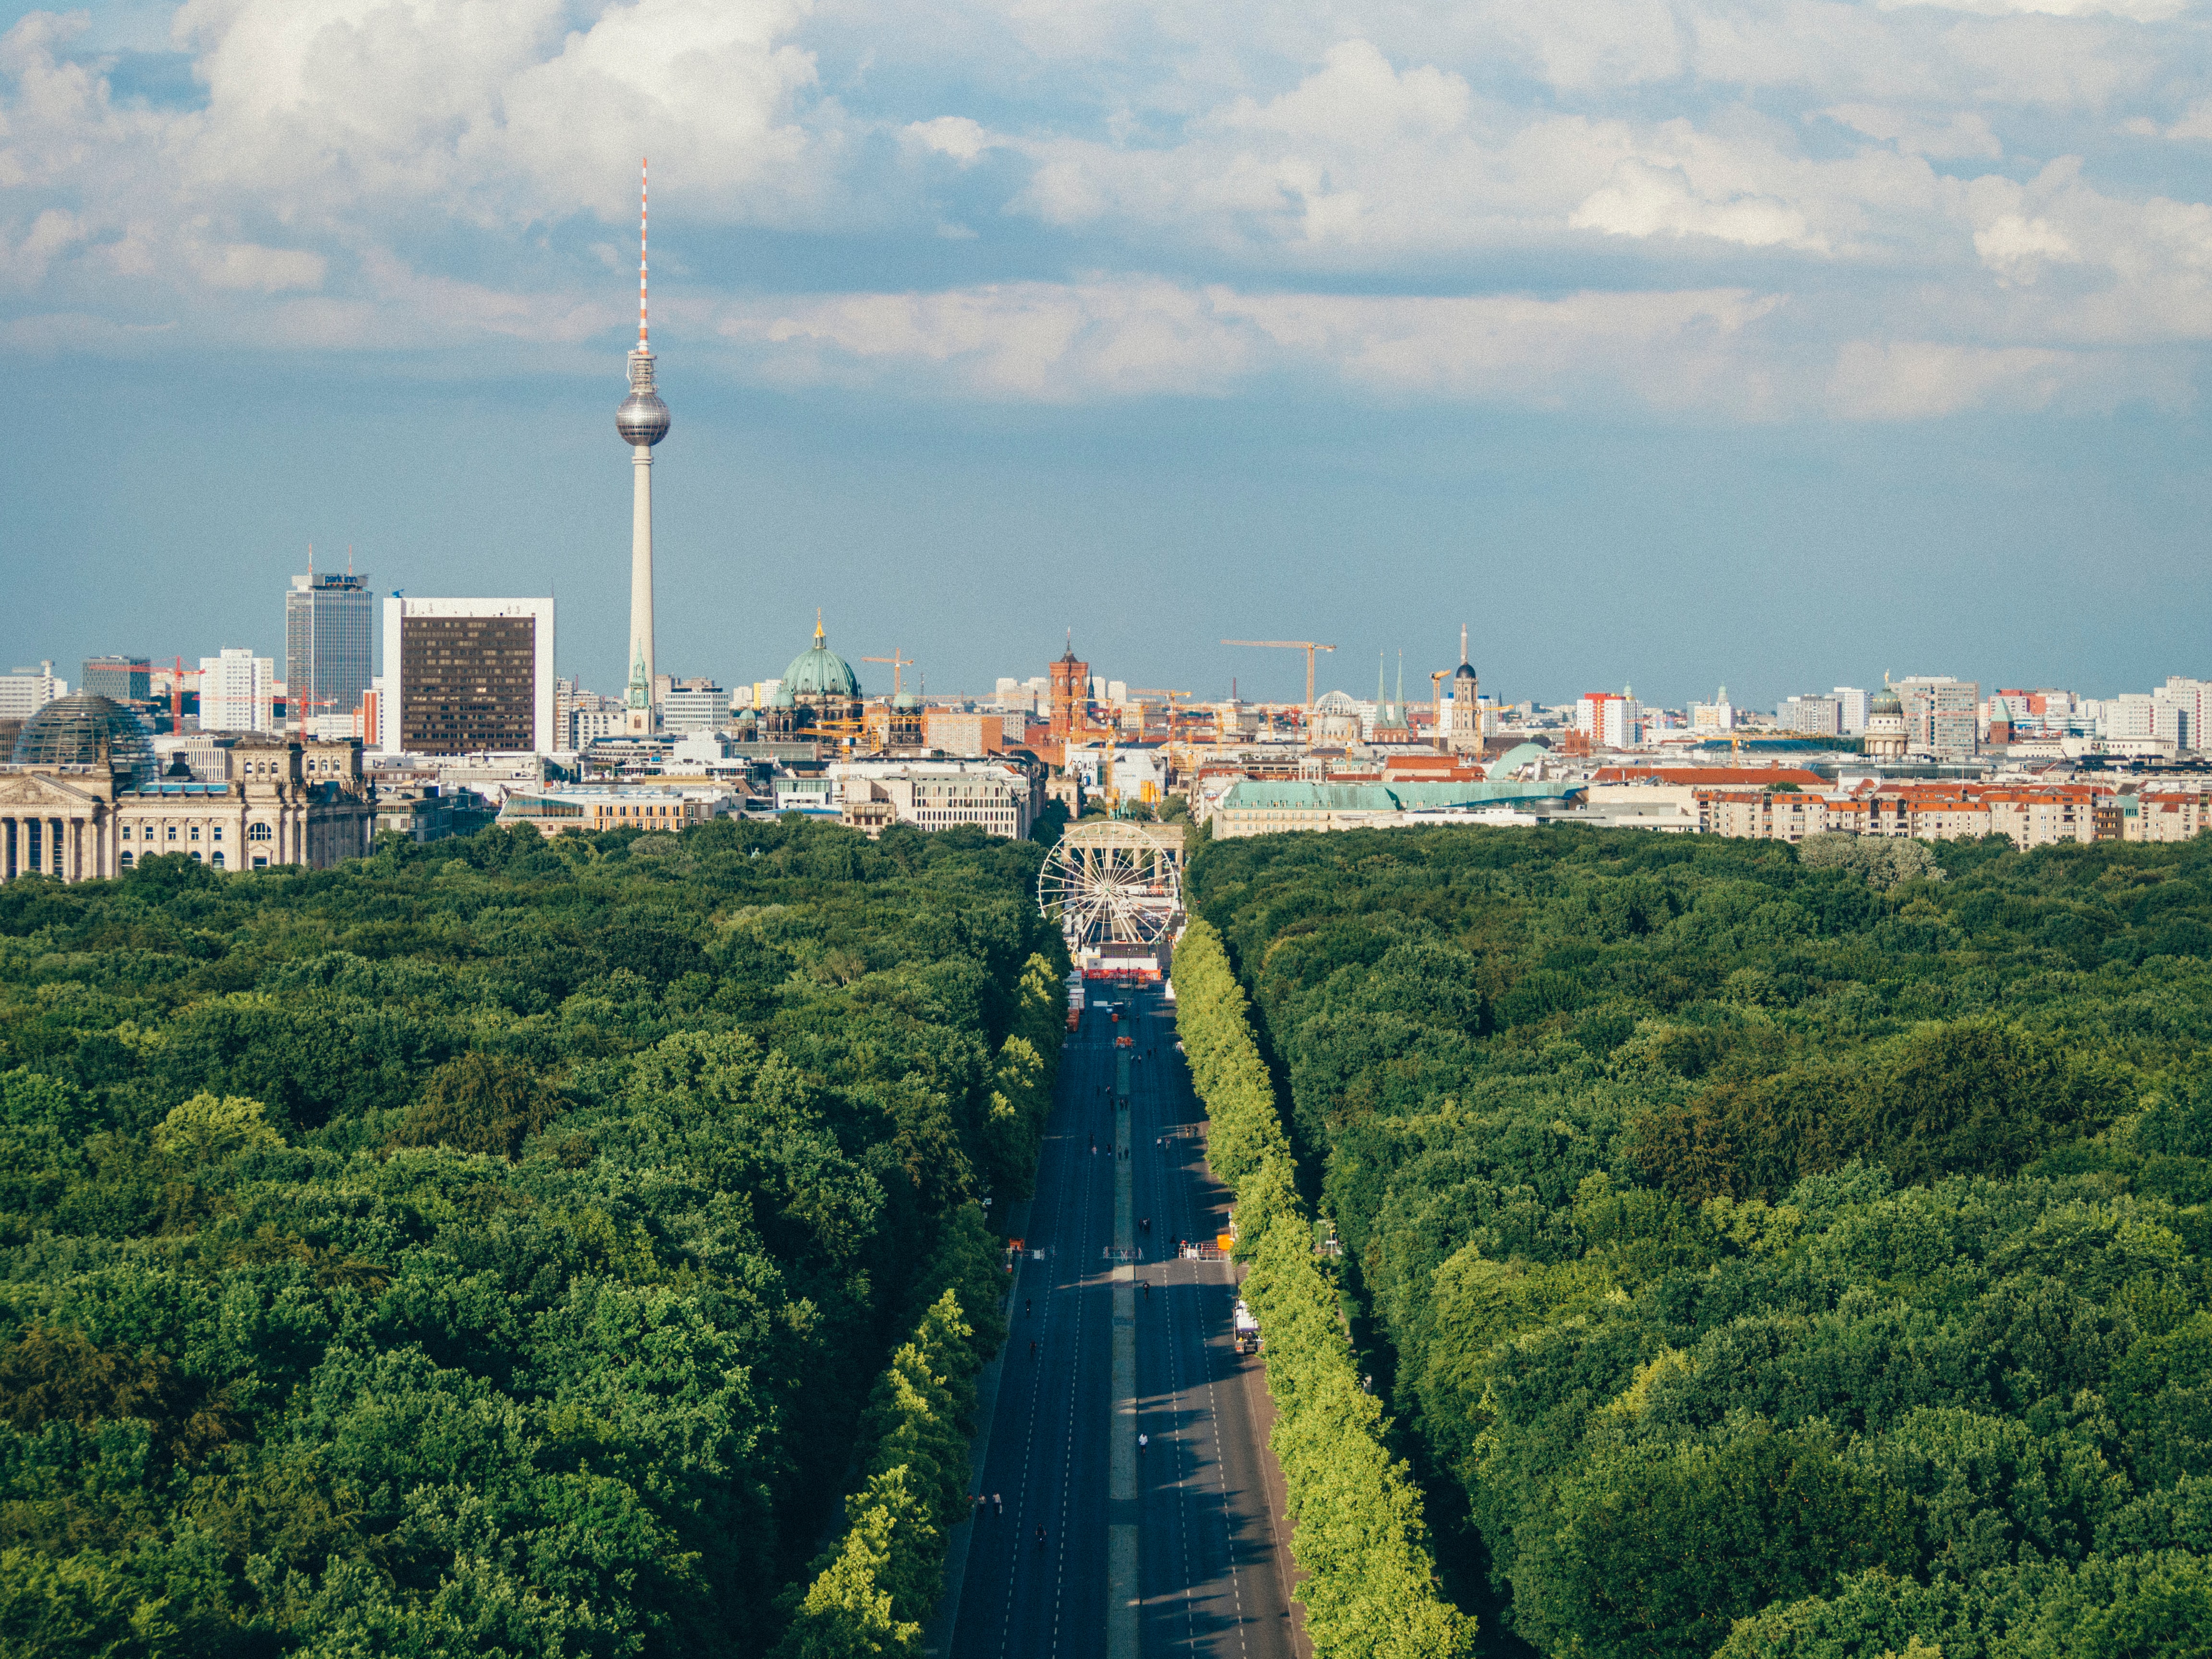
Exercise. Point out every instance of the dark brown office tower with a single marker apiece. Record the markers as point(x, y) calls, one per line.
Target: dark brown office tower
point(468, 683)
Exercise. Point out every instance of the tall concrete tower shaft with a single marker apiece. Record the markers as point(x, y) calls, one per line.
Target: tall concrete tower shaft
point(642, 421)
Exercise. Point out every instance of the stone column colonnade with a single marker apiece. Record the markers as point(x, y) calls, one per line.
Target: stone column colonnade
point(72, 846)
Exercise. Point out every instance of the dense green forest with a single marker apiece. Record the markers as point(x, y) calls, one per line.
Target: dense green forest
point(1783, 1256)
point(507, 1247)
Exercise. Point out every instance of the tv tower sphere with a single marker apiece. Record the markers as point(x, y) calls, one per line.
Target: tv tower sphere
point(643, 417)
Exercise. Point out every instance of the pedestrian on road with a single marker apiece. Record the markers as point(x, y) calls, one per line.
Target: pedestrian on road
point(1148, 1289)
point(1147, 1224)
point(1026, 1305)
point(998, 1504)
point(1143, 1441)
point(1033, 1347)
point(1040, 1537)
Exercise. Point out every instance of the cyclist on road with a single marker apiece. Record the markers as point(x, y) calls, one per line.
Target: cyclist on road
point(1040, 1537)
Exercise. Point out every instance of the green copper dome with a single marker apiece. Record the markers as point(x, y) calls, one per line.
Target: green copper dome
point(819, 671)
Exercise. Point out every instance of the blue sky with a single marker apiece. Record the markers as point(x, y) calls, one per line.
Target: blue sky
point(1665, 343)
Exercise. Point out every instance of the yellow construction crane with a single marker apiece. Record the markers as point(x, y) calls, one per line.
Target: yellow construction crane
point(1174, 714)
point(1307, 646)
point(897, 662)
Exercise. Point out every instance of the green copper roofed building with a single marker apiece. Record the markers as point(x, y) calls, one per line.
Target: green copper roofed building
point(1265, 809)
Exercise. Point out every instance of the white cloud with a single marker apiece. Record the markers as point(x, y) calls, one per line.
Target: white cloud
point(957, 136)
point(24, 262)
point(1729, 354)
point(377, 174)
point(2195, 123)
point(1966, 134)
point(1642, 199)
point(2017, 248)
point(2139, 11)
point(246, 266)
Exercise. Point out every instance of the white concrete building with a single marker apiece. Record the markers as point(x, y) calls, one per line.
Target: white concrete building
point(591, 809)
point(695, 706)
point(873, 795)
point(1718, 716)
point(238, 690)
point(24, 691)
point(1610, 720)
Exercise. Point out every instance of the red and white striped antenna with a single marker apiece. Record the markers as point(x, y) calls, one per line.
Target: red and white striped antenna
point(641, 345)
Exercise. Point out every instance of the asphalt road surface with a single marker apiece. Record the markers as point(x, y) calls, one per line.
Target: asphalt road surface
point(1210, 1578)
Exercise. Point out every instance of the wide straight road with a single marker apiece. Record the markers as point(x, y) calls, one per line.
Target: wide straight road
point(1022, 1599)
point(1212, 1576)
point(1209, 1578)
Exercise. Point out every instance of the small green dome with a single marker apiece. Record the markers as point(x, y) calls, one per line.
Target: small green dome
point(906, 702)
point(781, 697)
point(819, 671)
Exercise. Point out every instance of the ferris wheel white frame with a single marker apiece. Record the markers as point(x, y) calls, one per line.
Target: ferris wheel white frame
point(1114, 882)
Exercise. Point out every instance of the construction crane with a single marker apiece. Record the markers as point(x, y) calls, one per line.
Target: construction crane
point(1307, 646)
point(1174, 714)
point(897, 663)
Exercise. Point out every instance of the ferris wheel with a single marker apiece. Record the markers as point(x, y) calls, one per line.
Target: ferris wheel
point(1114, 883)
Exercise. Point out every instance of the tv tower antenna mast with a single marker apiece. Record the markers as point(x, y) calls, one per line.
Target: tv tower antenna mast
point(642, 421)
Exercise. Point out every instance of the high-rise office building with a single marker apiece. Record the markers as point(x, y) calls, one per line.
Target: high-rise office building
point(24, 691)
point(1814, 716)
point(125, 679)
point(329, 629)
point(1610, 720)
point(1942, 715)
point(465, 675)
point(1852, 705)
point(694, 705)
point(238, 691)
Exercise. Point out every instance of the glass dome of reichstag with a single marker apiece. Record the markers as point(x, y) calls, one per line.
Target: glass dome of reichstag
point(89, 730)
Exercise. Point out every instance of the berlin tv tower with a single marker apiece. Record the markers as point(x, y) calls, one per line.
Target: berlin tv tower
point(643, 420)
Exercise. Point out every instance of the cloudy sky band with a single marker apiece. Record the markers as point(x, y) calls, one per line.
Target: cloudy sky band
point(1867, 212)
